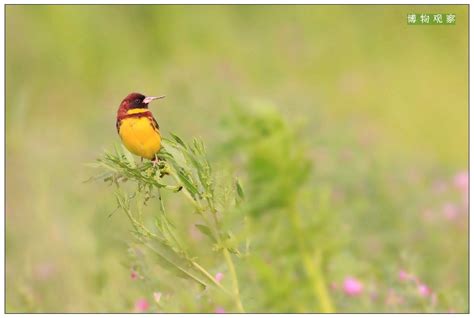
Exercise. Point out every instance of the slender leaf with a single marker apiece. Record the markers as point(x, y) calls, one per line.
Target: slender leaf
point(178, 140)
point(204, 229)
point(240, 191)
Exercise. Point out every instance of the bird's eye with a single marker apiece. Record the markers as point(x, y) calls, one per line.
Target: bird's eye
point(137, 101)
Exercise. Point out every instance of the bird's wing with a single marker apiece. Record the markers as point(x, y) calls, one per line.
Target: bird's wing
point(154, 124)
point(117, 125)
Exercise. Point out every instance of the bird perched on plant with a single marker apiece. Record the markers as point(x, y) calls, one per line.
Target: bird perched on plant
point(137, 127)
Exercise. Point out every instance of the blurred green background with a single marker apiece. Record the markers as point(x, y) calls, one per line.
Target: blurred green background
point(380, 107)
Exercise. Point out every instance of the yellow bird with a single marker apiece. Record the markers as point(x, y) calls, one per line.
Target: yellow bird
point(137, 127)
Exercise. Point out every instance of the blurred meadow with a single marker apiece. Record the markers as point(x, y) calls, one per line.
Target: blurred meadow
point(346, 128)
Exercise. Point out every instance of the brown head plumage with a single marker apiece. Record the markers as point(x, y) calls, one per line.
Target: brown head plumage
point(135, 100)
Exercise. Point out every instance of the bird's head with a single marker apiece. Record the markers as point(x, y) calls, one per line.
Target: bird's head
point(136, 100)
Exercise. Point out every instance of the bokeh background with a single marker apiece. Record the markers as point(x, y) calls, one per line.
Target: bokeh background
point(379, 108)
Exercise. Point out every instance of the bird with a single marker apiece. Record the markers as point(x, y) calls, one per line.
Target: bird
point(137, 128)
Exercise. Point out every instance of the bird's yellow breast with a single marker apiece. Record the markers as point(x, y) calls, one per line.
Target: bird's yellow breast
point(140, 136)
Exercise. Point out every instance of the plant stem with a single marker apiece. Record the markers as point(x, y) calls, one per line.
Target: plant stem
point(208, 275)
point(167, 224)
point(137, 225)
point(134, 222)
point(320, 285)
point(235, 282)
point(228, 258)
point(139, 206)
point(230, 266)
point(186, 192)
point(313, 270)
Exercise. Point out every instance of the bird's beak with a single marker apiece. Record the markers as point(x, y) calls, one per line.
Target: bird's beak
point(149, 99)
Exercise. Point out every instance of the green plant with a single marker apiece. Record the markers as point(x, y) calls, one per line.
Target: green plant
point(192, 176)
point(277, 167)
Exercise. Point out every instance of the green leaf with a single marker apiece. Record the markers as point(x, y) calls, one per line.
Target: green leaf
point(230, 243)
point(192, 159)
point(165, 155)
point(204, 229)
point(129, 157)
point(189, 185)
point(174, 262)
point(199, 146)
point(240, 191)
point(93, 164)
point(118, 152)
point(178, 140)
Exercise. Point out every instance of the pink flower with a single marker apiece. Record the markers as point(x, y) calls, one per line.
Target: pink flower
point(461, 181)
point(219, 276)
point(133, 275)
point(404, 276)
point(141, 305)
point(219, 310)
point(424, 290)
point(450, 211)
point(352, 286)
